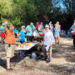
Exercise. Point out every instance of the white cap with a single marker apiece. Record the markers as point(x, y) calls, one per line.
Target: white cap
point(31, 23)
point(23, 27)
point(46, 25)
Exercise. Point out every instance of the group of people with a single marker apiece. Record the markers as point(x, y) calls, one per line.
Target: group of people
point(10, 35)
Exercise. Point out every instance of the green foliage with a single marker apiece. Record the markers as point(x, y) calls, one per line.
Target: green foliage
point(5, 7)
point(19, 12)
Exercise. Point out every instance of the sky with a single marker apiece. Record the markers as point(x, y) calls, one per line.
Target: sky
point(59, 3)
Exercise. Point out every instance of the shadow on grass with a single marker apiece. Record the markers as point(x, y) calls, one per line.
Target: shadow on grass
point(3, 63)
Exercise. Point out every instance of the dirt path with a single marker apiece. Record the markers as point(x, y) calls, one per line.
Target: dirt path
point(63, 62)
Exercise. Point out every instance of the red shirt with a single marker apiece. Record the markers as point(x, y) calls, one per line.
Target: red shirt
point(37, 25)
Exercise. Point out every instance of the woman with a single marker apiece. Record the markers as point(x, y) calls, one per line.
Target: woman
point(51, 26)
point(57, 33)
point(22, 38)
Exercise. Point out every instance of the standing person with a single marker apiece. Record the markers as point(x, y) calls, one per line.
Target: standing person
point(51, 26)
point(73, 33)
point(57, 33)
point(40, 27)
point(37, 25)
point(22, 39)
point(15, 32)
point(48, 41)
point(10, 42)
point(30, 29)
point(41, 23)
point(22, 34)
point(2, 32)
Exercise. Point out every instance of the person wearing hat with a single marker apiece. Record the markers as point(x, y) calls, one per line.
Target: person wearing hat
point(48, 41)
point(30, 29)
point(10, 42)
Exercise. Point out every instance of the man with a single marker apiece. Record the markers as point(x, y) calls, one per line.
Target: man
point(48, 41)
point(30, 29)
point(10, 42)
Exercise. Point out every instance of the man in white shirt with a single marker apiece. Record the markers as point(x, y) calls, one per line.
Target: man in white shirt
point(48, 41)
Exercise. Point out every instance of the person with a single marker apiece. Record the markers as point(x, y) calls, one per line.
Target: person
point(10, 42)
point(51, 26)
point(30, 29)
point(40, 27)
point(71, 28)
point(48, 41)
point(15, 32)
point(22, 34)
point(2, 32)
point(57, 33)
point(41, 23)
point(37, 24)
point(22, 39)
point(73, 33)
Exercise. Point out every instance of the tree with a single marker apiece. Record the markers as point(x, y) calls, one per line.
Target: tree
point(5, 8)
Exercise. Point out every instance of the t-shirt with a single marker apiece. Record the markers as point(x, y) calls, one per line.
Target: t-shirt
point(42, 26)
point(15, 31)
point(58, 27)
point(30, 29)
point(37, 26)
point(48, 38)
point(10, 37)
point(2, 29)
point(22, 35)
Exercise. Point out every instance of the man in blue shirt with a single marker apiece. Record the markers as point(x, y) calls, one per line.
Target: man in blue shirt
point(30, 29)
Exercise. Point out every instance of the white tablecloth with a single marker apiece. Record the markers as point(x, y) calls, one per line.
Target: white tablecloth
point(27, 48)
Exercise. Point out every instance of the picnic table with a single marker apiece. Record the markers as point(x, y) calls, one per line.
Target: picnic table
point(25, 47)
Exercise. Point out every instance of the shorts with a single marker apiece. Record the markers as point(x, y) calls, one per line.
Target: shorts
point(9, 50)
point(2, 34)
point(56, 34)
point(45, 47)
